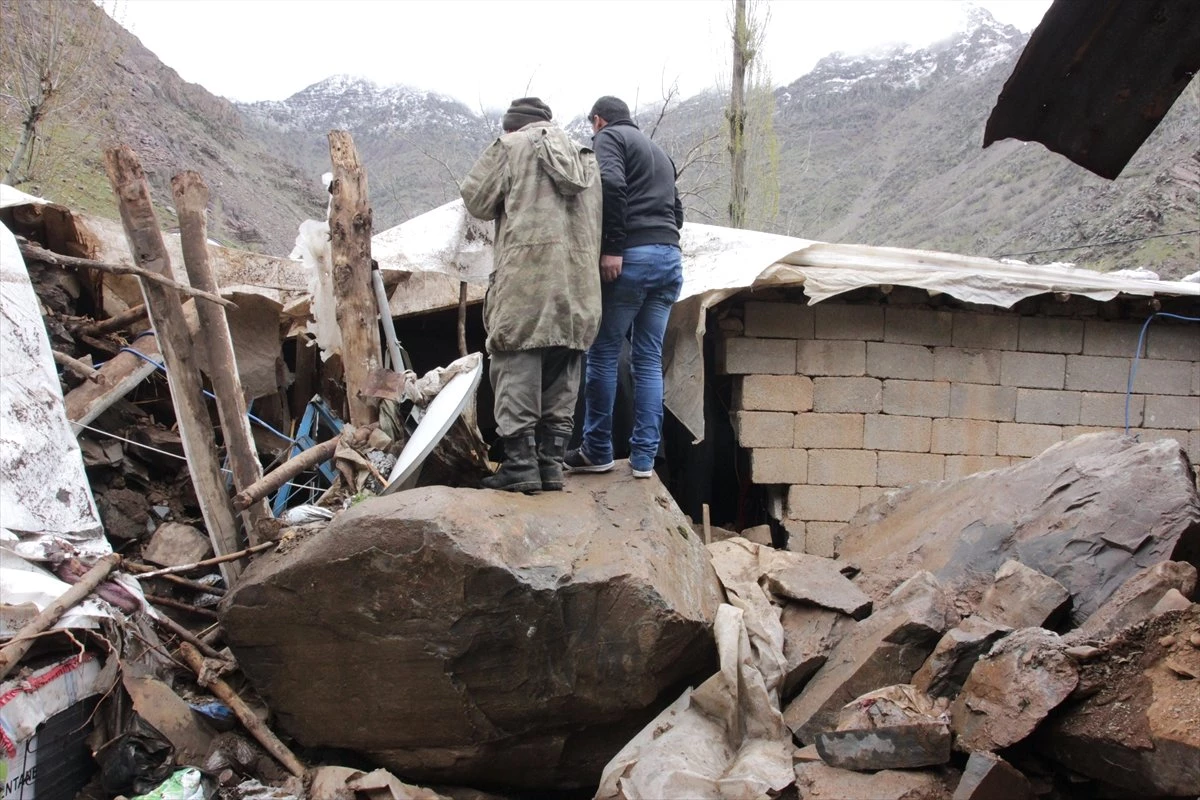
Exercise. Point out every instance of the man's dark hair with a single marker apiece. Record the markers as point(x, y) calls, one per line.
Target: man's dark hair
point(610, 109)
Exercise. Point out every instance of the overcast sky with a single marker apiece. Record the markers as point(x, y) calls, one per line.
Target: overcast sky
point(486, 52)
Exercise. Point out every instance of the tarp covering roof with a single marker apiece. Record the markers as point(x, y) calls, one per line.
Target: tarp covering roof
point(719, 262)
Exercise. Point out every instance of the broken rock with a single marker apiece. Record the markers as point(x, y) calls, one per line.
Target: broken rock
point(1020, 597)
point(1011, 690)
point(987, 776)
point(817, 780)
point(896, 727)
point(947, 668)
point(817, 580)
point(809, 633)
point(174, 544)
point(469, 636)
point(1089, 512)
point(1136, 598)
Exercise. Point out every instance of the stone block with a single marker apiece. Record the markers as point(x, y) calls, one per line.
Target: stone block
point(947, 668)
point(819, 780)
point(1157, 434)
point(1033, 370)
point(1104, 338)
point(1164, 411)
point(888, 432)
point(975, 401)
point(777, 320)
point(966, 366)
point(962, 466)
point(987, 776)
point(1162, 377)
point(1022, 597)
point(1097, 373)
point(174, 544)
point(841, 468)
point(764, 428)
point(911, 362)
point(838, 431)
point(1179, 342)
point(818, 581)
point(821, 537)
point(1048, 406)
point(916, 398)
point(795, 534)
point(920, 744)
point(968, 437)
point(778, 465)
point(823, 504)
point(903, 469)
point(773, 393)
point(1019, 439)
point(1050, 335)
point(748, 356)
point(833, 395)
point(809, 632)
point(986, 331)
point(1108, 410)
point(845, 321)
point(831, 357)
point(759, 534)
point(918, 326)
point(1132, 602)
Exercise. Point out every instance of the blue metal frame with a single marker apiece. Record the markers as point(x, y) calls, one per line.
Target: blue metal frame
point(315, 413)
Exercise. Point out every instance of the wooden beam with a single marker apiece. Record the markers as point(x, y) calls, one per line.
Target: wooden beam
point(74, 365)
point(350, 251)
point(183, 373)
point(121, 373)
point(191, 205)
point(114, 323)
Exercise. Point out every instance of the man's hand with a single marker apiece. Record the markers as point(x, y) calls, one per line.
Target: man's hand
point(610, 268)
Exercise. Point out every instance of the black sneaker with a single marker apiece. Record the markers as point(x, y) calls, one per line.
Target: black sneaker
point(576, 461)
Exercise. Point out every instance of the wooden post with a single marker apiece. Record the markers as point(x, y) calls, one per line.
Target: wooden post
point(350, 252)
point(183, 374)
point(121, 373)
point(191, 204)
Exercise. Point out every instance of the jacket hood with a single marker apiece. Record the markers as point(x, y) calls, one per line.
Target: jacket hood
point(565, 162)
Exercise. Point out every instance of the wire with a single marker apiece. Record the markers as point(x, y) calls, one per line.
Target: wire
point(1098, 244)
point(1138, 352)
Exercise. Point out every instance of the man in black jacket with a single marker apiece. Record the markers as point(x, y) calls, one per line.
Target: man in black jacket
point(641, 274)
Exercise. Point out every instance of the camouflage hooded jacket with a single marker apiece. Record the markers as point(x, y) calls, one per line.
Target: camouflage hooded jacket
point(543, 191)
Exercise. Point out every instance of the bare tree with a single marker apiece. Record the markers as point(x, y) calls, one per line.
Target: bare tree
point(50, 52)
point(753, 148)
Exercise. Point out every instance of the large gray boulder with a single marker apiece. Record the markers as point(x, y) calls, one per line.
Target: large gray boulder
point(1089, 512)
point(478, 637)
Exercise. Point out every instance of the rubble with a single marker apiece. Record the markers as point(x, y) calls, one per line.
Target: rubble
point(1020, 597)
point(954, 656)
point(896, 727)
point(987, 776)
point(174, 543)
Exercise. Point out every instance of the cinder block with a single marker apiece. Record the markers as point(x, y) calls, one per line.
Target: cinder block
point(911, 362)
point(822, 538)
point(846, 321)
point(1108, 410)
point(972, 401)
point(1033, 370)
point(778, 465)
point(778, 320)
point(773, 393)
point(966, 366)
point(1163, 377)
point(890, 432)
point(831, 357)
point(822, 503)
point(1193, 450)
point(1069, 432)
point(1019, 439)
point(1172, 412)
point(1097, 373)
point(903, 469)
point(1105, 338)
point(986, 331)
point(1050, 335)
point(917, 326)
point(832, 395)
point(1048, 406)
point(764, 428)
point(1156, 435)
point(916, 398)
point(1195, 379)
point(795, 535)
point(1179, 342)
point(962, 466)
point(829, 431)
point(747, 356)
point(971, 437)
point(869, 494)
point(841, 468)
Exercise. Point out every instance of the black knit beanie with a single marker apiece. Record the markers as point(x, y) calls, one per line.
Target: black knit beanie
point(610, 108)
point(523, 111)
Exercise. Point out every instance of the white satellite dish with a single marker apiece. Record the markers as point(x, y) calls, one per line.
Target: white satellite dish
point(438, 417)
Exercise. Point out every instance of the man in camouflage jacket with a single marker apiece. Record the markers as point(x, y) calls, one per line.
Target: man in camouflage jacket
point(542, 308)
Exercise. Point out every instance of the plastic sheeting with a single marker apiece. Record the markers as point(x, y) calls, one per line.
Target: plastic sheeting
point(719, 262)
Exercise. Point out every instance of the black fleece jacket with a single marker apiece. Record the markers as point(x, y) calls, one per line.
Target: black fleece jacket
point(641, 202)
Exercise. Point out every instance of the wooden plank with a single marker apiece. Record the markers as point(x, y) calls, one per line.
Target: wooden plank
point(121, 373)
point(183, 374)
point(350, 251)
point(191, 205)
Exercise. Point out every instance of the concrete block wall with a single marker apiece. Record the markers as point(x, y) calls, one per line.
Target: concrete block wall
point(841, 402)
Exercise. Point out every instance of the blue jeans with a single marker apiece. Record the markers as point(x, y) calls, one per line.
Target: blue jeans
point(638, 304)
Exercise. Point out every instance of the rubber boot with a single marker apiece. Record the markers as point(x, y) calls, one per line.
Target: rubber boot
point(519, 472)
point(551, 447)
